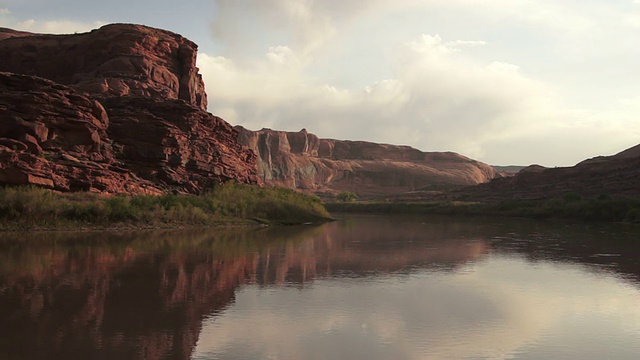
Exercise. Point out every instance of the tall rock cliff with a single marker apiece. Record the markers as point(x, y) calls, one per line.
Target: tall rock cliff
point(121, 109)
point(301, 160)
point(115, 60)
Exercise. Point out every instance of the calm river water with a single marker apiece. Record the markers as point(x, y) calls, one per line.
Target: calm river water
point(365, 287)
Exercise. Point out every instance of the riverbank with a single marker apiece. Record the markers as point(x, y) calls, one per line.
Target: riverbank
point(31, 208)
point(600, 208)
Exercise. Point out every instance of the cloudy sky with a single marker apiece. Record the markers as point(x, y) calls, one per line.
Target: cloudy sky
point(502, 81)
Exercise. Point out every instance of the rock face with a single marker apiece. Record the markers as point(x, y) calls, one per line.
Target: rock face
point(51, 136)
point(120, 109)
point(115, 60)
point(181, 146)
point(617, 175)
point(303, 161)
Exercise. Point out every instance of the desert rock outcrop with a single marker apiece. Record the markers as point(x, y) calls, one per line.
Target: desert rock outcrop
point(115, 60)
point(121, 109)
point(301, 160)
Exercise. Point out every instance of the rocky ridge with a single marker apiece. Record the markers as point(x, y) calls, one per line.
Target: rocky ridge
point(301, 160)
point(616, 175)
point(121, 109)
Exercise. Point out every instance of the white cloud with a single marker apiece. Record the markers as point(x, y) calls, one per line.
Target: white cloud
point(437, 99)
point(533, 76)
point(430, 44)
point(470, 43)
point(253, 23)
point(283, 55)
point(459, 75)
point(57, 26)
point(632, 20)
point(4, 11)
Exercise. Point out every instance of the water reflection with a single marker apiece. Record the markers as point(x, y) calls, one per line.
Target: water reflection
point(366, 287)
point(118, 296)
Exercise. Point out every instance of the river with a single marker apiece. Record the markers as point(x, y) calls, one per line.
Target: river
point(364, 287)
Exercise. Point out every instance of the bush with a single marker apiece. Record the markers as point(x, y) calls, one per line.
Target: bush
point(347, 197)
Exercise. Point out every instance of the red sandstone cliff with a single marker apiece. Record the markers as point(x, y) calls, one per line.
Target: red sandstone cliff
point(115, 60)
point(301, 160)
point(122, 110)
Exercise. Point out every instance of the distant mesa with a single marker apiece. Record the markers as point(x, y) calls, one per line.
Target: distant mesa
point(301, 160)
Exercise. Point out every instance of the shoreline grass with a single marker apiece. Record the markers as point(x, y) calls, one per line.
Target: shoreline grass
point(32, 208)
point(601, 208)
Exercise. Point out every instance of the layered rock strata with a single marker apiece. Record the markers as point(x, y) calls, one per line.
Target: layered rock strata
point(53, 137)
point(121, 109)
point(301, 160)
point(115, 60)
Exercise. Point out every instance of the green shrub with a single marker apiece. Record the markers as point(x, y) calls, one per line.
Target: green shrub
point(347, 196)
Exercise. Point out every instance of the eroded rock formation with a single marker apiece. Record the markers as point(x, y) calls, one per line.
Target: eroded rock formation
point(301, 160)
point(181, 146)
point(115, 60)
point(121, 109)
point(53, 137)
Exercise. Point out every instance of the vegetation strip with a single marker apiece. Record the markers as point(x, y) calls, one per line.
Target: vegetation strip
point(31, 208)
point(599, 208)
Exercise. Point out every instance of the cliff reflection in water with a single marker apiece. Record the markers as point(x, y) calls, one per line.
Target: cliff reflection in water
point(114, 296)
point(145, 295)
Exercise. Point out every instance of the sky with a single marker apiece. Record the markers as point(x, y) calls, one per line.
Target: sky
point(502, 81)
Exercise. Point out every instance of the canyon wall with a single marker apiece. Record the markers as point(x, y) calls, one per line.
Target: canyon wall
point(115, 60)
point(121, 109)
point(300, 160)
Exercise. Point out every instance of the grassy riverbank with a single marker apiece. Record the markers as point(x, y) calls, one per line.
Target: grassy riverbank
point(600, 208)
point(26, 208)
